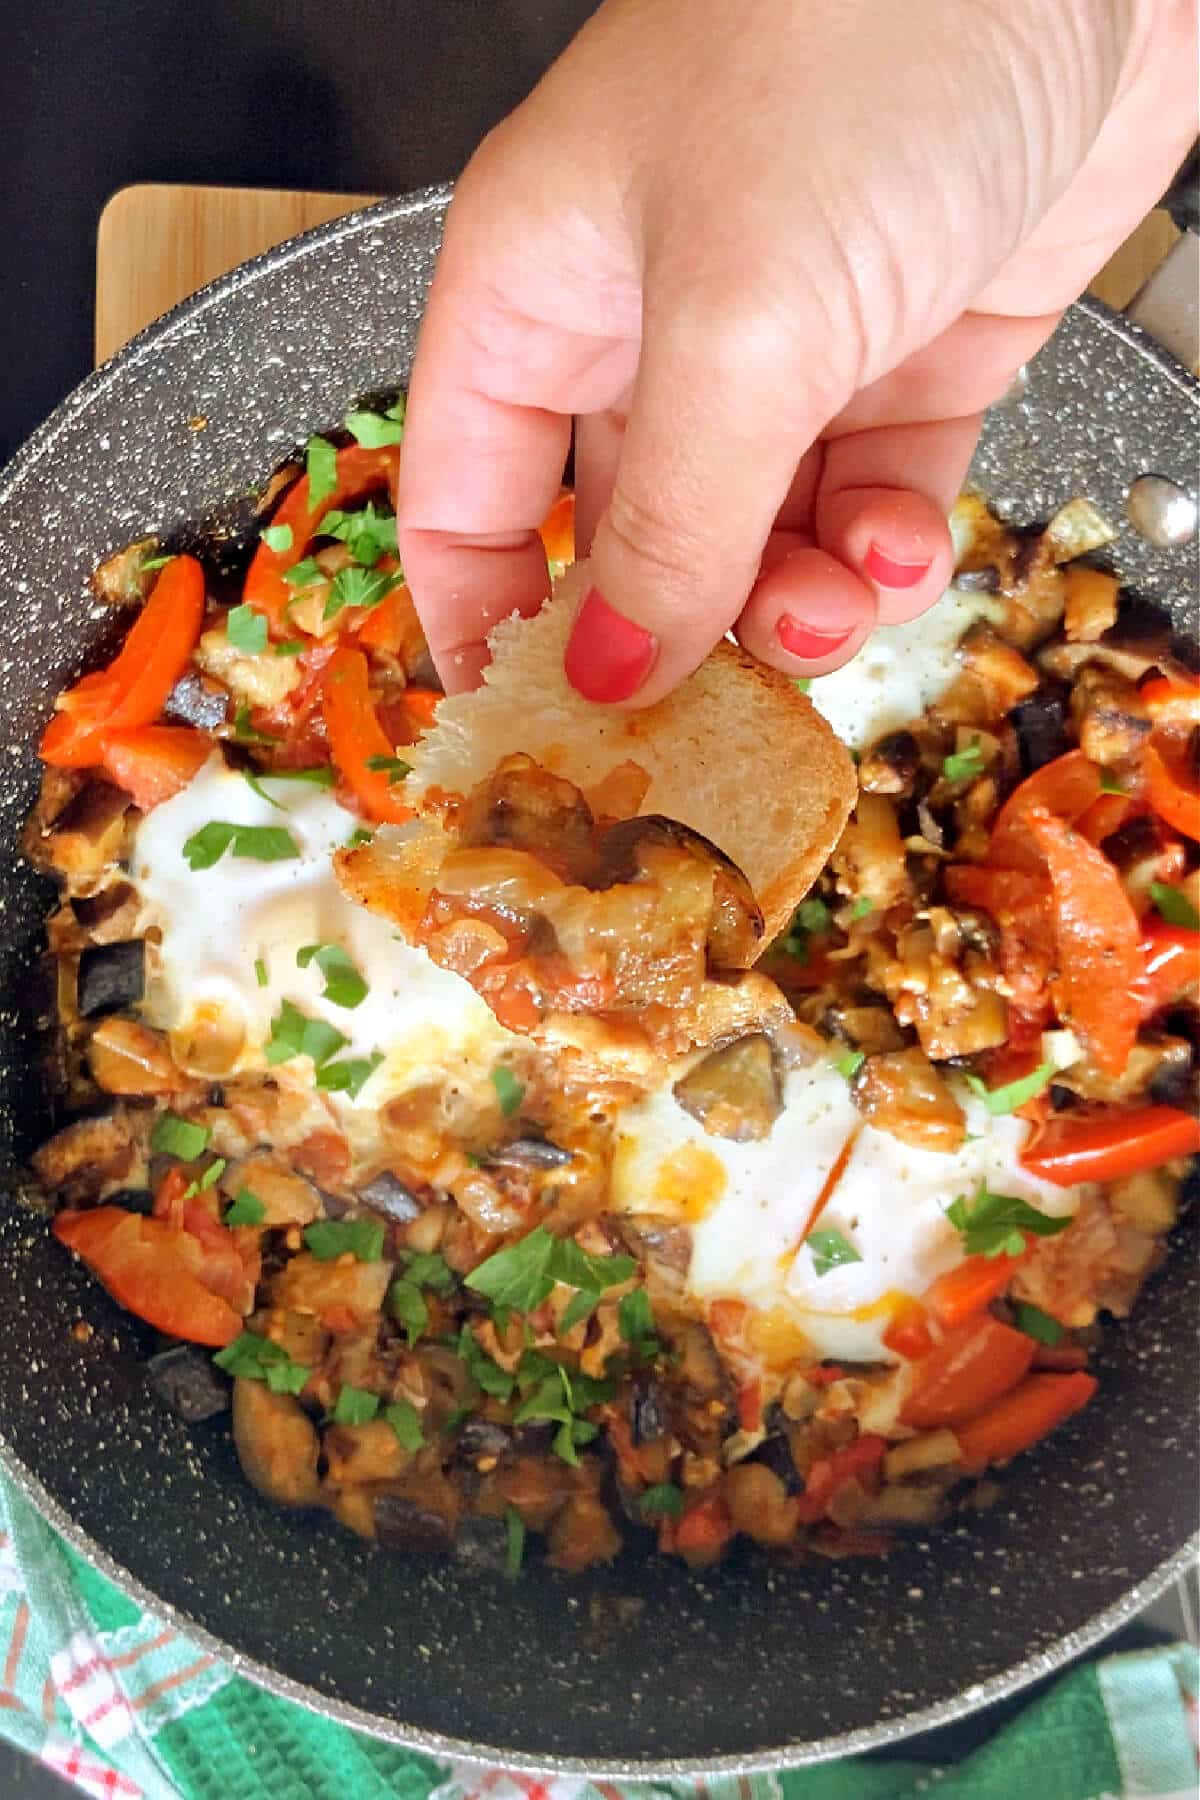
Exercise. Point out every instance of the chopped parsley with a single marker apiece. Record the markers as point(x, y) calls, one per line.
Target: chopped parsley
point(330, 1238)
point(255, 785)
point(367, 534)
point(524, 1274)
point(292, 1034)
point(1174, 906)
point(157, 562)
point(173, 1136)
point(803, 682)
point(373, 430)
point(292, 647)
point(429, 1270)
point(255, 1358)
point(349, 1076)
point(635, 1320)
point(486, 1374)
point(849, 1064)
point(246, 629)
point(359, 587)
point(813, 915)
point(1109, 783)
point(406, 1303)
point(305, 574)
point(210, 1177)
point(995, 1224)
point(862, 906)
point(830, 1250)
point(354, 1406)
point(560, 1398)
point(509, 1091)
point(514, 1552)
point(344, 986)
point(320, 465)
point(260, 971)
point(1006, 1099)
point(663, 1499)
point(1038, 1324)
point(964, 765)
point(394, 767)
point(278, 538)
point(245, 730)
point(405, 1421)
point(245, 1209)
point(360, 835)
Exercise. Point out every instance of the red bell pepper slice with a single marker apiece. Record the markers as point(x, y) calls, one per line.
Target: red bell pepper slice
point(153, 1269)
point(360, 473)
point(909, 1335)
point(154, 762)
point(703, 1531)
point(1170, 965)
point(1173, 792)
point(1105, 1146)
point(859, 1461)
point(133, 688)
point(1098, 939)
point(1066, 787)
point(1017, 1421)
point(1170, 702)
point(973, 1284)
point(967, 1372)
point(357, 739)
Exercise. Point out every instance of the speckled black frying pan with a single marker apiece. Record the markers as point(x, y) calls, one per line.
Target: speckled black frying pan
point(753, 1665)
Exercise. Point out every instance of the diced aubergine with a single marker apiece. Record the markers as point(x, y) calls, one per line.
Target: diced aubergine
point(112, 977)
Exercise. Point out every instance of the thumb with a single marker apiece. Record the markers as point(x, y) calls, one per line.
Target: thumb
point(719, 418)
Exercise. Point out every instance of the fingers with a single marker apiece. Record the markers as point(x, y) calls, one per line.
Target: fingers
point(719, 416)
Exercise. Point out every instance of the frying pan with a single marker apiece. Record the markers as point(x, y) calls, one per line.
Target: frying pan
point(754, 1665)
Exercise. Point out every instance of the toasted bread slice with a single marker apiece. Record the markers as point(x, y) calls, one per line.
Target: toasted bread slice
point(737, 752)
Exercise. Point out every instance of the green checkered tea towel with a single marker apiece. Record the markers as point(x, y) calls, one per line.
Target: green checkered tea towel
point(126, 1708)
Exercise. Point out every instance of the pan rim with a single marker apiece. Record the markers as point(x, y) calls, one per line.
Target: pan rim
point(882, 1734)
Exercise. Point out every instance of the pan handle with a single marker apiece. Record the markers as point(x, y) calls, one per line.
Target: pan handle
point(1167, 306)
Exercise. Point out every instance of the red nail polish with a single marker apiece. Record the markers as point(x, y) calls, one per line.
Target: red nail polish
point(805, 641)
point(892, 574)
point(608, 656)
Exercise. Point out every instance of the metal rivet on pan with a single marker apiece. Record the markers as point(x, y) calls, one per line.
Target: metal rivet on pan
point(1162, 511)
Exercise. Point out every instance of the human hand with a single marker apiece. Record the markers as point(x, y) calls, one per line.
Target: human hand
point(777, 260)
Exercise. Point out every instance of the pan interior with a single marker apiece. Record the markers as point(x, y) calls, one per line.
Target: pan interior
point(757, 1664)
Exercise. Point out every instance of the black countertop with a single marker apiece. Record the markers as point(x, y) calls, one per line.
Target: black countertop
point(362, 96)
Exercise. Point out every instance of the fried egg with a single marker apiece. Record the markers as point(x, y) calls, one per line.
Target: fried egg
point(750, 1207)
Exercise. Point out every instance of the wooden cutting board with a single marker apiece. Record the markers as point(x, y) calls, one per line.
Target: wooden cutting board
point(157, 244)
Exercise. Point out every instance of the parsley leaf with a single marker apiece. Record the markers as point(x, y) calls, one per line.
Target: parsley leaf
point(813, 915)
point(354, 1406)
point(514, 1526)
point(320, 465)
point(994, 1224)
point(486, 1374)
point(1006, 1099)
point(830, 1250)
point(344, 986)
point(429, 1270)
point(663, 1497)
point(1174, 906)
point(849, 1064)
point(349, 1076)
point(398, 409)
point(373, 431)
point(394, 767)
point(157, 562)
point(360, 835)
point(292, 647)
point(367, 534)
point(256, 1358)
point(250, 777)
point(246, 1209)
point(522, 1275)
point(803, 682)
point(331, 1238)
point(359, 587)
point(278, 538)
point(964, 765)
point(246, 629)
point(635, 1320)
point(407, 1306)
point(1109, 783)
point(405, 1421)
point(509, 1091)
point(246, 732)
point(1038, 1324)
point(210, 1177)
point(305, 574)
point(862, 906)
point(292, 1034)
point(173, 1136)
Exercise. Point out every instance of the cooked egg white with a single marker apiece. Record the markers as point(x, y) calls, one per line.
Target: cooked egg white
point(750, 1206)
point(229, 937)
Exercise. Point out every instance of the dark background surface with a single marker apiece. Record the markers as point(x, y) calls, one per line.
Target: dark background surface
point(365, 96)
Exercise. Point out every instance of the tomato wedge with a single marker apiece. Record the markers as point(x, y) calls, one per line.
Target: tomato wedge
point(359, 474)
point(971, 1285)
point(358, 740)
point(154, 762)
point(1069, 1150)
point(1017, 1421)
point(1098, 939)
point(1066, 787)
point(153, 1269)
point(967, 1372)
point(135, 685)
point(1174, 794)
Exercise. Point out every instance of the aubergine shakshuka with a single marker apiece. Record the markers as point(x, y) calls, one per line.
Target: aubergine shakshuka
point(811, 1286)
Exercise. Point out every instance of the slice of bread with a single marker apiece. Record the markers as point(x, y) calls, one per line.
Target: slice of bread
point(737, 752)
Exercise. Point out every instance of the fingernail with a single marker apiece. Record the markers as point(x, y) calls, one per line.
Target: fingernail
point(799, 639)
point(892, 574)
point(608, 656)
